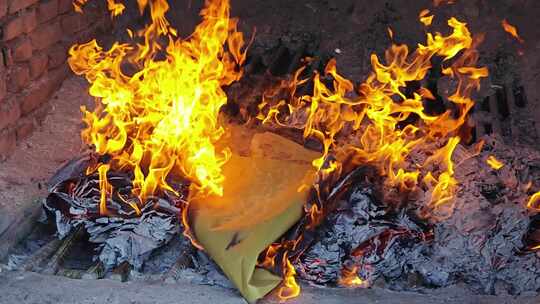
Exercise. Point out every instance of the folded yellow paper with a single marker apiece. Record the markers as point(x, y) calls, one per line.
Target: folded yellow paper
point(261, 201)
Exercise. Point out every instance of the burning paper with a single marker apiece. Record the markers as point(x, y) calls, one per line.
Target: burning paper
point(157, 131)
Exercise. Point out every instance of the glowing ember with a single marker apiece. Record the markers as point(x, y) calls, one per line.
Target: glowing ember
point(494, 162)
point(534, 201)
point(371, 128)
point(512, 30)
point(439, 2)
point(162, 121)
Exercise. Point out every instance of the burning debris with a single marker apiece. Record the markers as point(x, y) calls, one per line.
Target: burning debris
point(127, 233)
point(510, 29)
point(392, 193)
point(484, 242)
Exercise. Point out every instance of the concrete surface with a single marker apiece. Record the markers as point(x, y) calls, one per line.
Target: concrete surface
point(33, 288)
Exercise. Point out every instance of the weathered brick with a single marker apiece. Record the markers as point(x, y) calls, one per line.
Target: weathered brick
point(46, 35)
point(65, 6)
point(40, 91)
point(8, 142)
point(30, 21)
point(38, 64)
point(57, 55)
point(19, 77)
point(3, 8)
point(47, 10)
point(14, 28)
point(17, 5)
point(72, 23)
point(6, 56)
point(9, 113)
point(25, 129)
point(21, 49)
point(3, 87)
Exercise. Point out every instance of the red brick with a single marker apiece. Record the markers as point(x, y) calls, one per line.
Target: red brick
point(8, 142)
point(38, 64)
point(65, 6)
point(3, 8)
point(3, 87)
point(21, 49)
point(30, 21)
point(9, 113)
point(14, 28)
point(17, 5)
point(40, 91)
point(57, 55)
point(19, 77)
point(47, 10)
point(72, 23)
point(7, 58)
point(25, 129)
point(46, 35)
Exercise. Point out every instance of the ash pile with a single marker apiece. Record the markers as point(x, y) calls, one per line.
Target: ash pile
point(122, 231)
point(487, 241)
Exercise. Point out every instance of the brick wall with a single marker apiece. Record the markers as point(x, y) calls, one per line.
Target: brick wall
point(34, 38)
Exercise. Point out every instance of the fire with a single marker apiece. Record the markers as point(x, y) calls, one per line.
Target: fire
point(510, 29)
point(161, 122)
point(376, 126)
point(534, 201)
point(425, 17)
point(350, 278)
point(114, 7)
point(494, 162)
point(290, 288)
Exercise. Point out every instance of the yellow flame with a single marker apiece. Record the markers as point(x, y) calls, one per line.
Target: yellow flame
point(425, 18)
point(350, 278)
point(161, 121)
point(534, 201)
point(371, 128)
point(510, 29)
point(114, 7)
point(105, 187)
point(290, 289)
point(494, 163)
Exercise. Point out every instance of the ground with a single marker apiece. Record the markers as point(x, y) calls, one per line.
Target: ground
point(32, 288)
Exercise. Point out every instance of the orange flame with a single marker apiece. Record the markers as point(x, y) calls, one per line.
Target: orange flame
point(350, 278)
point(534, 201)
point(494, 162)
point(114, 7)
point(371, 127)
point(510, 29)
point(162, 121)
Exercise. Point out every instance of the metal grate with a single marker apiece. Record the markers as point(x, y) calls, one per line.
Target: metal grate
point(502, 113)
